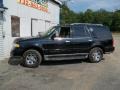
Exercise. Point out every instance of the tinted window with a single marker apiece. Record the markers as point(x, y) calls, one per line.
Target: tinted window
point(65, 32)
point(79, 31)
point(100, 32)
point(1, 3)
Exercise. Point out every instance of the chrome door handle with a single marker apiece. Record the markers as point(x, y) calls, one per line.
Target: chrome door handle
point(90, 40)
point(67, 41)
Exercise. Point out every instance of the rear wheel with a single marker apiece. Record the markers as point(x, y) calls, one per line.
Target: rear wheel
point(32, 59)
point(96, 55)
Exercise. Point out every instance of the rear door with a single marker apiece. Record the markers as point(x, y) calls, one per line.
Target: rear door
point(81, 40)
point(102, 35)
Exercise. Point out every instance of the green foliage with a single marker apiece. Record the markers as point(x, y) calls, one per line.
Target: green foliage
point(67, 16)
point(116, 21)
point(88, 16)
point(110, 19)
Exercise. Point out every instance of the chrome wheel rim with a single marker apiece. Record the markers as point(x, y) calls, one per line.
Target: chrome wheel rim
point(97, 55)
point(31, 59)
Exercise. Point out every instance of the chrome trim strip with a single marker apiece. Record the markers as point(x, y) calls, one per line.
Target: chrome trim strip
point(48, 57)
point(59, 38)
point(67, 54)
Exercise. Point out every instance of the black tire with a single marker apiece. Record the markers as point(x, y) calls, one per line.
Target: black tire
point(32, 59)
point(96, 55)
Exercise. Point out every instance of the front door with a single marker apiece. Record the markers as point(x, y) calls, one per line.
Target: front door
point(59, 43)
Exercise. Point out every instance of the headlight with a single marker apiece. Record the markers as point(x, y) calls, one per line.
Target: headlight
point(16, 45)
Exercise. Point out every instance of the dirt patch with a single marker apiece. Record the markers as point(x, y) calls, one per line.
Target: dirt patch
point(70, 75)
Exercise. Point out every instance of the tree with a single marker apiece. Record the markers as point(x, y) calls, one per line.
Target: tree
point(116, 21)
point(67, 16)
point(107, 18)
point(103, 17)
point(64, 14)
point(88, 16)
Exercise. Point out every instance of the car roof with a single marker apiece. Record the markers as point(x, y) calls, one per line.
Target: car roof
point(83, 24)
point(87, 24)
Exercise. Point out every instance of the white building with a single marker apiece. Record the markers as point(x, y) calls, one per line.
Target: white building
point(24, 18)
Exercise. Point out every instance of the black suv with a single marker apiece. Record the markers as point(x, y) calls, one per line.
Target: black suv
point(74, 41)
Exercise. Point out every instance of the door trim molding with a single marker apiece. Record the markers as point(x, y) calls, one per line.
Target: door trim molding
point(68, 54)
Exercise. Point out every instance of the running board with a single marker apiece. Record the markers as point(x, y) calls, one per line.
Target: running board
point(66, 56)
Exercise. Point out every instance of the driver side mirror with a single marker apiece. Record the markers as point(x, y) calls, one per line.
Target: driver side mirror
point(53, 36)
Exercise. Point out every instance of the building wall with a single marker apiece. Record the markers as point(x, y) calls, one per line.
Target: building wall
point(1, 36)
point(26, 14)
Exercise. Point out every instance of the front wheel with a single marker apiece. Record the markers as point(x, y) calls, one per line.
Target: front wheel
point(95, 55)
point(32, 59)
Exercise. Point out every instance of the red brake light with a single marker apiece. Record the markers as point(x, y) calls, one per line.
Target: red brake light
point(113, 42)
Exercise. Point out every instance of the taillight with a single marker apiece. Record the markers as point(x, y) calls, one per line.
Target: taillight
point(113, 42)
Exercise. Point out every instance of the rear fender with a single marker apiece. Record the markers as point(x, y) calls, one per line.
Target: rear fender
point(98, 44)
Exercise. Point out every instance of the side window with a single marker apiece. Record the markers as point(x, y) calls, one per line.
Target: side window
point(15, 26)
point(55, 32)
point(65, 32)
point(100, 32)
point(79, 31)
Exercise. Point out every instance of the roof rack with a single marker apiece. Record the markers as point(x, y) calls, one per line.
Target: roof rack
point(86, 24)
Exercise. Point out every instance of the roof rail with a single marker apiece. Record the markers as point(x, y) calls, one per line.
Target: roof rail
point(86, 24)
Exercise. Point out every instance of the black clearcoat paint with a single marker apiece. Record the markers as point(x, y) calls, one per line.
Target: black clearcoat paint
point(50, 46)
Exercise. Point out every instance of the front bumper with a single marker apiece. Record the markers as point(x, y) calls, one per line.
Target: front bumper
point(16, 52)
point(15, 60)
point(16, 56)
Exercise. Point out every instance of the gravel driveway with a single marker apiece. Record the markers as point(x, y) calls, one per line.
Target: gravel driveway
point(64, 75)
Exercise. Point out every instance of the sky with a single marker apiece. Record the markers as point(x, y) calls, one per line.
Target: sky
point(83, 5)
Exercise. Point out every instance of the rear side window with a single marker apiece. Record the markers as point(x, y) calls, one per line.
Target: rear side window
point(79, 31)
point(101, 32)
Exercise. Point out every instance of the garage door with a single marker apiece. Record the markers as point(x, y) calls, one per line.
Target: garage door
point(38, 26)
point(1, 42)
point(47, 25)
